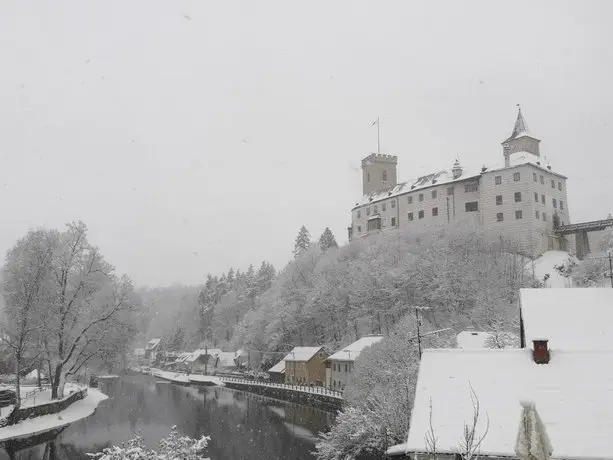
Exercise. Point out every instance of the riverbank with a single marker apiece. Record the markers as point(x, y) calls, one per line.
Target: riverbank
point(34, 426)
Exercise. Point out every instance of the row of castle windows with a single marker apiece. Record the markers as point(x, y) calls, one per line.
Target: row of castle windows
point(517, 197)
point(470, 206)
point(517, 178)
point(384, 176)
point(519, 215)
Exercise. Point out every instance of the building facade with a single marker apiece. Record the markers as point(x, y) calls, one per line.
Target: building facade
point(305, 366)
point(522, 200)
point(339, 366)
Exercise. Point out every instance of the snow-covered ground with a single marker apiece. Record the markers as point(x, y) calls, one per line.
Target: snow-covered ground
point(205, 379)
point(172, 376)
point(38, 398)
point(33, 426)
point(544, 266)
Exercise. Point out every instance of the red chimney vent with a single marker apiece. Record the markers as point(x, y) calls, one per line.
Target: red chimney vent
point(540, 352)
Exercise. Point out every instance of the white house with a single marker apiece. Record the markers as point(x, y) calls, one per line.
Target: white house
point(340, 364)
point(152, 349)
point(573, 393)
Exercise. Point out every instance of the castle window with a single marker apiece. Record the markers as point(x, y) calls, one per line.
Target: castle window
point(559, 185)
point(449, 191)
point(375, 210)
point(543, 199)
point(471, 206)
point(368, 211)
point(393, 221)
point(421, 197)
point(374, 224)
point(420, 214)
point(561, 205)
point(409, 199)
point(518, 214)
point(383, 206)
point(498, 180)
point(518, 197)
point(433, 193)
point(359, 229)
point(537, 214)
point(536, 197)
point(410, 216)
point(393, 204)
point(384, 176)
point(542, 180)
point(435, 211)
point(498, 200)
point(359, 214)
point(555, 203)
point(516, 176)
point(544, 217)
point(553, 183)
point(534, 177)
point(471, 187)
point(368, 177)
point(499, 217)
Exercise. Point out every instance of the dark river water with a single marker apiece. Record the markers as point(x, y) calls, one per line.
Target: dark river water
point(241, 425)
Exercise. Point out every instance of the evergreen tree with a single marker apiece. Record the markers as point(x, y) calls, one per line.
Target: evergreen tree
point(264, 277)
point(303, 241)
point(327, 240)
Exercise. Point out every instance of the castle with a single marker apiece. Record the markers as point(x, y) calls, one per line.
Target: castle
point(523, 201)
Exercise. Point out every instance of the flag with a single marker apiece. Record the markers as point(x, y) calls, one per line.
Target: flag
point(376, 122)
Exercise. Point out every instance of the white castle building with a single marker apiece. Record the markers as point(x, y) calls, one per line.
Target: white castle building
point(524, 201)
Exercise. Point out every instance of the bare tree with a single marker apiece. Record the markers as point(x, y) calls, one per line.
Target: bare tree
point(82, 321)
point(27, 267)
point(430, 438)
point(470, 443)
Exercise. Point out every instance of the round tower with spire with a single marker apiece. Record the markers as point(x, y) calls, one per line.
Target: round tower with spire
point(521, 143)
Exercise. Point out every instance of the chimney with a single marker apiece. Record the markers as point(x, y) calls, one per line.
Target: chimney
point(540, 352)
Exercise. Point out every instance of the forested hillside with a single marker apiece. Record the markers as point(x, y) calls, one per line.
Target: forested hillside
point(330, 296)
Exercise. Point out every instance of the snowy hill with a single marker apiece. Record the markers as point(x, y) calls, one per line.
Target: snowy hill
point(544, 268)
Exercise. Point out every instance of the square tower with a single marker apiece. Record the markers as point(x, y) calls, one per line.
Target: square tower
point(378, 172)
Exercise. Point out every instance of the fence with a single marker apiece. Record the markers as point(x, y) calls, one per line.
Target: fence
point(288, 386)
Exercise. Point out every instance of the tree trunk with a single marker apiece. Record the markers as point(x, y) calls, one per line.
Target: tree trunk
point(17, 381)
point(56, 391)
point(38, 377)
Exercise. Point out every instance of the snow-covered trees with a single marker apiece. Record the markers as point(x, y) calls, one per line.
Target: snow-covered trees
point(594, 271)
point(80, 307)
point(327, 240)
point(173, 447)
point(303, 241)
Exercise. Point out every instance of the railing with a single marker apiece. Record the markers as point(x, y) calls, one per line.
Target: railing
point(583, 226)
point(288, 386)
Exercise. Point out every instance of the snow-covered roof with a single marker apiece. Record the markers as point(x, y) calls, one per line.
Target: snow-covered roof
point(423, 182)
point(570, 319)
point(152, 344)
point(279, 368)
point(472, 340)
point(573, 395)
point(226, 358)
point(520, 129)
point(302, 353)
point(351, 352)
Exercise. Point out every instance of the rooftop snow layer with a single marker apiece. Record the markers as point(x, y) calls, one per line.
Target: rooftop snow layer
point(472, 340)
point(279, 367)
point(302, 353)
point(351, 352)
point(152, 344)
point(570, 319)
point(573, 395)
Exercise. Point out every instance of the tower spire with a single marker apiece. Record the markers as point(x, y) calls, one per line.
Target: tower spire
point(520, 128)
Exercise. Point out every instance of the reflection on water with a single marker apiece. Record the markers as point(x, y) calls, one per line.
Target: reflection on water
point(241, 425)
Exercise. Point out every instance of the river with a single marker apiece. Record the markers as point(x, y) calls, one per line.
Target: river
point(241, 425)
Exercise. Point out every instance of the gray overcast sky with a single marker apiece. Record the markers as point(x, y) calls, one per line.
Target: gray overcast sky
point(191, 136)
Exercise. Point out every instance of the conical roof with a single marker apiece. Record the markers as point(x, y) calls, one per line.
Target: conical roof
point(520, 129)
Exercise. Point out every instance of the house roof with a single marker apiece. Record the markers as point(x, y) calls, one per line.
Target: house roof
point(152, 344)
point(569, 318)
point(302, 353)
point(573, 395)
point(279, 368)
point(351, 352)
point(226, 358)
point(520, 129)
point(472, 340)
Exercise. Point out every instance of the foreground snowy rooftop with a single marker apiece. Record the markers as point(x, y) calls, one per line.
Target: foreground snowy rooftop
point(472, 340)
point(351, 352)
point(571, 318)
point(573, 395)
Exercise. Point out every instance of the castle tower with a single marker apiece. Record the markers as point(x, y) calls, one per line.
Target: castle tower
point(378, 172)
point(521, 143)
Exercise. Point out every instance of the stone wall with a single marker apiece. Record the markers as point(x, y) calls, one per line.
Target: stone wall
point(52, 407)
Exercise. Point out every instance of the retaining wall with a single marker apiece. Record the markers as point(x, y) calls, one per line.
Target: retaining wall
point(52, 407)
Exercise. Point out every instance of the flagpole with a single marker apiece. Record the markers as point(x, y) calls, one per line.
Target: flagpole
point(378, 138)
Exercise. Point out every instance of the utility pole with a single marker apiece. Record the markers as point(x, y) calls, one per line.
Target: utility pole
point(419, 335)
point(610, 267)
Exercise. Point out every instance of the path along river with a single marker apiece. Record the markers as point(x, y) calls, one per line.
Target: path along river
point(241, 425)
